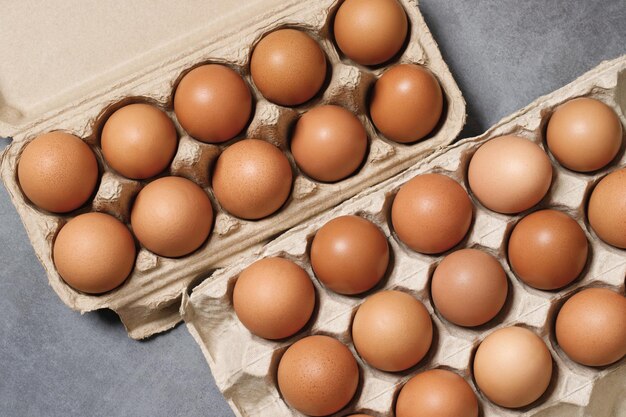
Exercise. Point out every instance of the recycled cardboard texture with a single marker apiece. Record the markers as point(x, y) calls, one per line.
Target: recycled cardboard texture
point(244, 366)
point(149, 300)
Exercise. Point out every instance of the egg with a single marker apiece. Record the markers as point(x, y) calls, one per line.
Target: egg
point(584, 134)
point(392, 331)
point(436, 393)
point(469, 287)
point(431, 213)
point(547, 249)
point(138, 141)
point(57, 172)
point(252, 179)
point(94, 253)
point(513, 367)
point(172, 216)
point(288, 67)
point(370, 32)
point(591, 327)
point(273, 298)
point(607, 209)
point(318, 375)
point(509, 174)
point(329, 143)
point(406, 103)
point(349, 255)
point(213, 103)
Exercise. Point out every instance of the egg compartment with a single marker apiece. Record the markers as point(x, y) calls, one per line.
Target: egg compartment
point(244, 365)
point(148, 302)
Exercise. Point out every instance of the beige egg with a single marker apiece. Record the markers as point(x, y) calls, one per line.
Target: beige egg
point(431, 213)
point(370, 32)
point(58, 172)
point(406, 103)
point(94, 253)
point(591, 327)
point(509, 174)
point(172, 216)
point(252, 179)
point(584, 134)
point(437, 393)
point(469, 287)
point(288, 67)
point(274, 298)
point(513, 367)
point(392, 331)
point(318, 375)
point(607, 209)
point(138, 141)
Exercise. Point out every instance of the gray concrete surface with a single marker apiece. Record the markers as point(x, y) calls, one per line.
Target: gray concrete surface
point(54, 362)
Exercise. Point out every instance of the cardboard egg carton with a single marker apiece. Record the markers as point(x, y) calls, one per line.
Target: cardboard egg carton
point(245, 366)
point(148, 302)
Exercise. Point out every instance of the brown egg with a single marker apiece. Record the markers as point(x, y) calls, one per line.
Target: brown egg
point(288, 67)
point(607, 209)
point(172, 216)
point(513, 367)
point(547, 249)
point(274, 298)
point(57, 172)
point(591, 327)
point(252, 179)
point(509, 174)
point(431, 213)
point(138, 141)
point(94, 253)
point(349, 255)
point(213, 103)
point(370, 32)
point(318, 375)
point(437, 393)
point(360, 415)
point(469, 287)
point(329, 143)
point(584, 134)
point(406, 103)
point(392, 331)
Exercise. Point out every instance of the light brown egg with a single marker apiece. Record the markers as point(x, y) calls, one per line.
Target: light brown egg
point(138, 141)
point(273, 298)
point(469, 287)
point(547, 249)
point(318, 375)
point(329, 143)
point(607, 209)
point(57, 172)
point(509, 174)
point(252, 179)
point(288, 67)
point(437, 393)
point(584, 134)
point(406, 103)
point(94, 253)
point(392, 331)
point(513, 367)
point(213, 103)
point(172, 216)
point(370, 32)
point(349, 254)
point(431, 213)
point(591, 327)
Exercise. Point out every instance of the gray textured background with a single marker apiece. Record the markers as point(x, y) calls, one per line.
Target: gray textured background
point(54, 362)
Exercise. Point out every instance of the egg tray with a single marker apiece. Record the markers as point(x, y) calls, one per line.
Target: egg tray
point(148, 302)
point(245, 366)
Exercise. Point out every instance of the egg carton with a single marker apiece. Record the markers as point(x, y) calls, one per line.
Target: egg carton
point(148, 302)
point(245, 366)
